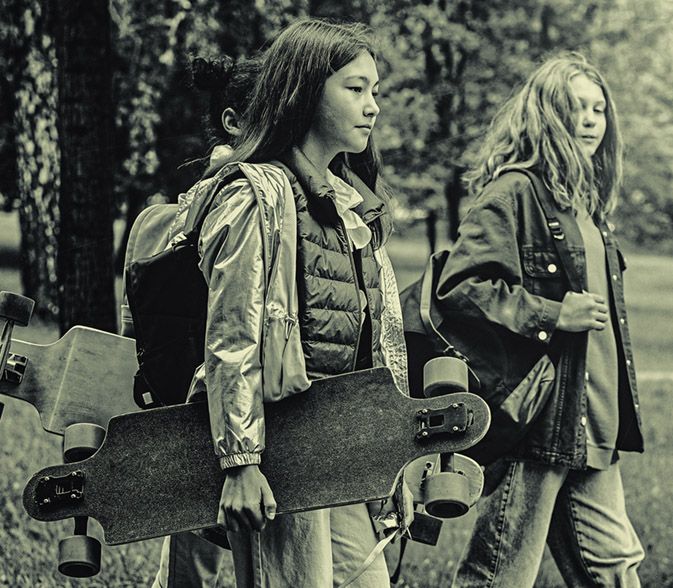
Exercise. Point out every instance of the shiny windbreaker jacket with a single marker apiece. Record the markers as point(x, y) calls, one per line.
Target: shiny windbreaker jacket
point(254, 352)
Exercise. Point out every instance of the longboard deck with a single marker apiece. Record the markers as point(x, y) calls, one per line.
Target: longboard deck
point(343, 441)
point(84, 377)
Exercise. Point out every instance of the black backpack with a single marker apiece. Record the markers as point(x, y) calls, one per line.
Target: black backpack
point(167, 297)
point(423, 330)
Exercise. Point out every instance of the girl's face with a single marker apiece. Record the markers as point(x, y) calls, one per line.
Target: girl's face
point(347, 110)
point(589, 117)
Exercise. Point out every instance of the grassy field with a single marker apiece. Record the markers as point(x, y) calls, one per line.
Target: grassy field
point(28, 549)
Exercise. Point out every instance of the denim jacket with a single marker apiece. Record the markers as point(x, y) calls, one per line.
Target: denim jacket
point(502, 289)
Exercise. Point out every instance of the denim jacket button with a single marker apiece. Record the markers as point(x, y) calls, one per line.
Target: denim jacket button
point(542, 335)
point(586, 376)
point(551, 268)
point(583, 421)
point(614, 277)
point(622, 321)
point(628, 362)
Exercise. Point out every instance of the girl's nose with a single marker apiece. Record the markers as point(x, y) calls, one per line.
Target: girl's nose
point(588, 118)
point(372, 108)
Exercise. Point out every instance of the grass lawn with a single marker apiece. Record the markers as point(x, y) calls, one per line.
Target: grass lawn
point(28, 549)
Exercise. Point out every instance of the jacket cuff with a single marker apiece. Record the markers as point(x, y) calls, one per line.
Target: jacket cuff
point(551, 311)
point(240, 459)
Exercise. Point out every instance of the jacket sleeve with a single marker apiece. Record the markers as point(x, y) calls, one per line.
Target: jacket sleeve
point(392, 326)
point(232, 261)
point(483, 276)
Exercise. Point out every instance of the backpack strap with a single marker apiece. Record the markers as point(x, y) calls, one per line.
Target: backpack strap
point(555, 228)
point(428, 287)
point(203, 201)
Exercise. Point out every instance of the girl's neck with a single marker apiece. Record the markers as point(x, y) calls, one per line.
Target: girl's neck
point(316, 154)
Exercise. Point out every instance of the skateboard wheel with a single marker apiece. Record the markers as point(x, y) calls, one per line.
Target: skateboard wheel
point(79, 556)
point(81, 440)
point(473, 472)
point(447, 495)
point(444, 375)
point(16, 308)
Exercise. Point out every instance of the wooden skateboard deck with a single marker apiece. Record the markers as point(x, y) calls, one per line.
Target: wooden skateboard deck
point(84, 377)
point(345, 440)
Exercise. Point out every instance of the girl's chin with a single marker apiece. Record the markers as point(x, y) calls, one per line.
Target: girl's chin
point(356, 148)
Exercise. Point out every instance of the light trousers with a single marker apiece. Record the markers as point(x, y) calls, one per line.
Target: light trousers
point(580, 514)
point(188, 561)
point(316, 549)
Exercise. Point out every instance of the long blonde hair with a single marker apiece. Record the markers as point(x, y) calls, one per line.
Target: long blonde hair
point(535, 129)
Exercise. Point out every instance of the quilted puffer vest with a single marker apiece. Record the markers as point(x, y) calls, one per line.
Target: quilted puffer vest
point(330, 308)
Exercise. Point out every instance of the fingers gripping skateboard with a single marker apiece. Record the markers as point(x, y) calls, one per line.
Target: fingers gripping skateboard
point(79, 555)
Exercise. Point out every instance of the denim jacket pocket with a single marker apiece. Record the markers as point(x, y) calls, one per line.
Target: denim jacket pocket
point(542, 272)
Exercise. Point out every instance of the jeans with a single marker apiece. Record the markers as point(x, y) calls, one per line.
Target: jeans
point(580, 514)
point(316, 549)
point(188, 561)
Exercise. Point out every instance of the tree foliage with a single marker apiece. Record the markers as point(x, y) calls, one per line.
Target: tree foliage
point(446, 66)
point(31, 180)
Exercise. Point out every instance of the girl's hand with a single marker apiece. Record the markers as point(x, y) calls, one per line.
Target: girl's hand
point(582, 312)
point(246, 501)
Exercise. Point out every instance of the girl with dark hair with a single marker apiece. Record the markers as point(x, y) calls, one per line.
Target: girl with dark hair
point(305, 204)
point(508, 277)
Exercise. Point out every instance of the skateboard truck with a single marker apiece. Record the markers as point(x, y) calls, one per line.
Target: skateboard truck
point(57, 490)
point(14, 309)
point(15, 368)
point(79, 555)
point(453, 419)
point(18, 309)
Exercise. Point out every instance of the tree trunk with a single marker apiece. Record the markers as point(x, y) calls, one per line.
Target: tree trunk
point(38, 158)
point(85, 253)
point(454, 192)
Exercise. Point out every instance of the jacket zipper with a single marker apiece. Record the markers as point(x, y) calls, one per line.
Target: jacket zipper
point(344, 236)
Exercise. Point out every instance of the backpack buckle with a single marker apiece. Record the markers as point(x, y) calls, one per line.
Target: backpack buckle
point(556, 230)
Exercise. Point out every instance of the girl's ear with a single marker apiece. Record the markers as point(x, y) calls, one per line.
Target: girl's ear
point(230, 122)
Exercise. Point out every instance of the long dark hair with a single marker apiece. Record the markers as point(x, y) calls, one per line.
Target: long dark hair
point(296, 65)
point(226, 83)
point(283, 103)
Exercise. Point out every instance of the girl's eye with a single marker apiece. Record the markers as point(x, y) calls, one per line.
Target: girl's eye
point(356, 89)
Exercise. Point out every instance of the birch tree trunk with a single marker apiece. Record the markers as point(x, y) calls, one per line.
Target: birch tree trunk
point(37, 152)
